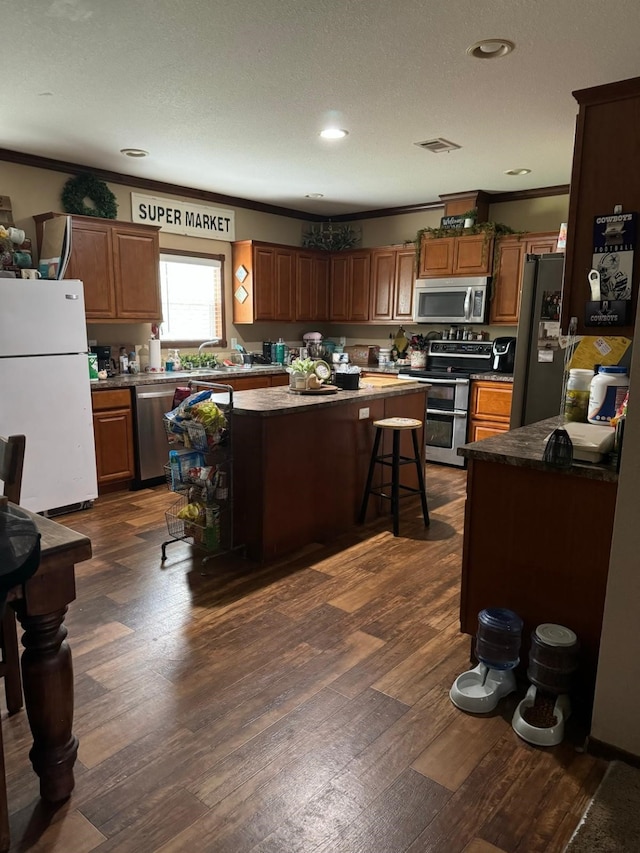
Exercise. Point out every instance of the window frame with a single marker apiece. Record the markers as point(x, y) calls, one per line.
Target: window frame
point(185, 253)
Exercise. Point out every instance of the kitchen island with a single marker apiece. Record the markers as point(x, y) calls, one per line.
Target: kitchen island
point(537, 540)
point(300, 461)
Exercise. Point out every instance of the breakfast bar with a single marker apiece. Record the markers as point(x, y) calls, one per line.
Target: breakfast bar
point(300, 461)
point(537, 539)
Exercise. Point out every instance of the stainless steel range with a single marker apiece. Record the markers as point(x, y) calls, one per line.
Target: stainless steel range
point(449, 366)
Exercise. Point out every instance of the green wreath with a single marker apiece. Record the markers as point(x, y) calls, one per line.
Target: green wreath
point(88, 186)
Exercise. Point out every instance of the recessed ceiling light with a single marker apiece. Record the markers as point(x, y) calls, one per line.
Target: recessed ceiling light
point(517, 172)
point(134, 152)
point(314, 195)
point(333, 133)
point(490, 48)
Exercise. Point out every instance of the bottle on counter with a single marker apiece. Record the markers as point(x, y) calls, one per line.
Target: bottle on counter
point(576, 402)
point(607, 391)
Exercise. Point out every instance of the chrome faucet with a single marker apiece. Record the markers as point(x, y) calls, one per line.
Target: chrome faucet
point(208, 343)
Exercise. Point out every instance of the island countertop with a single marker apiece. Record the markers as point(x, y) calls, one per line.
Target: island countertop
point(523, 447)
point(266, 402)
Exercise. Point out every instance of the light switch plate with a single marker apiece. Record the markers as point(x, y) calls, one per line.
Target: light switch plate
point(363, 414)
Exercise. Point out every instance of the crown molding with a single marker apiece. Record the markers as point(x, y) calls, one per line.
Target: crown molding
point(152, 185)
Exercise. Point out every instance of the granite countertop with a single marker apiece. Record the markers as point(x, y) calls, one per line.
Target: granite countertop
point(131, 380)
point(493, 377)
point(266, 402)
point(524, 447)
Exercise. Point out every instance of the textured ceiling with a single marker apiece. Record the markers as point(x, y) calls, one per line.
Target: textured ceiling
point(230, 97)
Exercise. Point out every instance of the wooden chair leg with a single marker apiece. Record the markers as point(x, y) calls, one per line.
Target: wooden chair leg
point(4, 807)
point(11, 653)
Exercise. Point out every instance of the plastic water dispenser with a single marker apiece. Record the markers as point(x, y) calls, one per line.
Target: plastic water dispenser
point(498, 640)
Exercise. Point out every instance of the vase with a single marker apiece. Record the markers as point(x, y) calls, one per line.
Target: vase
point(418, 359)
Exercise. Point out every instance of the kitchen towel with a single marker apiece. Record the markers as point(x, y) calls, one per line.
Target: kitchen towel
point(155, 361)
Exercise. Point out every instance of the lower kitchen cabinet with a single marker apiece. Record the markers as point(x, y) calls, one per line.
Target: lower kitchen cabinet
point(113, 431)
point(490, 410)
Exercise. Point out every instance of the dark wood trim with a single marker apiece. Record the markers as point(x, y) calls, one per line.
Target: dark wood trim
point(137, 182)
point(525, 195)
point(150, 184)
point(617, 91)
point(611, 753)
point(188, 254)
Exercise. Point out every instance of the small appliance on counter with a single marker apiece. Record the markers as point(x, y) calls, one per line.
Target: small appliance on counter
point(105, 362)
point(503, 355)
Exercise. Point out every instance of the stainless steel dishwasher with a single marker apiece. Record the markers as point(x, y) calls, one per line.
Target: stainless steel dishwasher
point(150, 437)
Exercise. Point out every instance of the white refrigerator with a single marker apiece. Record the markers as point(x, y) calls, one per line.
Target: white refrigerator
point(45, 390)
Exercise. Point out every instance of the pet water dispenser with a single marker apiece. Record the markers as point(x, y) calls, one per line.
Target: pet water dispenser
point(540, 716)
point(479, 690)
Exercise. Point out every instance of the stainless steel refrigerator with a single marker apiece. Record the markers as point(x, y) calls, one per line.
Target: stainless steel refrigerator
point(539, 360)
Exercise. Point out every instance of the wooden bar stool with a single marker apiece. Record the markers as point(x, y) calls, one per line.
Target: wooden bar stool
point(394, 460)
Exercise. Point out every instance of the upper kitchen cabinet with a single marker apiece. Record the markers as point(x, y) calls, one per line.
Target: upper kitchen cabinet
point(119, 263)
point(350, 272)
point(263, 282)
point(392, 281)
point(507, 275)
point(605, 173)
point(466, 255)
point(312, 286)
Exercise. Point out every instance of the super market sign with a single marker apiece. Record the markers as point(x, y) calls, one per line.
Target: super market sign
point(180, 217)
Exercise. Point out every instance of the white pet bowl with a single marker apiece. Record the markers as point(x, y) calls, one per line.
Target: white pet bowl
point(479, 690)
point(533, 734)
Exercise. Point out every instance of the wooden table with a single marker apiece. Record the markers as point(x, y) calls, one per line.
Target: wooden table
point(40, 605)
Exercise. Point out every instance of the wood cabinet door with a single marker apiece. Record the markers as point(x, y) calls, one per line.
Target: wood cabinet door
point(113, 431)
point(248, 383)
point(285, 260)
point(491, 401)
point(264, 283)
point(507, 282)
point(304, 287)
point(542, 244)
point(404, 284)
point(340, 288)
point(137, 275)
point(360, 266)
point(312, 287)
point(383, 273)
point(485, 429)
point(92, 262)
point(472, 255)
point(436, 257)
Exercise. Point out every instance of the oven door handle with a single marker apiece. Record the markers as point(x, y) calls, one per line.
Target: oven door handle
point(442, 381)
point(456, 413)
point(467, 304)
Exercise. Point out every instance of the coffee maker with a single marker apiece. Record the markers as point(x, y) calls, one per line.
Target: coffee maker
point(105, 362)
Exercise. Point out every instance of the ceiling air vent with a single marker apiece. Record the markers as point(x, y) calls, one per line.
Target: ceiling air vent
point(437, 146)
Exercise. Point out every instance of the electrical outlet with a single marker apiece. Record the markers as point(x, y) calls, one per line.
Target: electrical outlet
point(363, 414)
point(234, 343)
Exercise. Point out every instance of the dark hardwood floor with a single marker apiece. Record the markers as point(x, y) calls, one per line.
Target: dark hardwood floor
point(297, 708)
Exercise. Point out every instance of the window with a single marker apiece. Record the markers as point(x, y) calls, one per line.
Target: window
point(192, 298)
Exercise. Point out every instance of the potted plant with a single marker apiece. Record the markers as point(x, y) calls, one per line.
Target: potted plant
point(299, 372)
point(418, 345)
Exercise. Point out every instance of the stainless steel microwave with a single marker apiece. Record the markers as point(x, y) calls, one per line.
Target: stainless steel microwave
point(451, 300)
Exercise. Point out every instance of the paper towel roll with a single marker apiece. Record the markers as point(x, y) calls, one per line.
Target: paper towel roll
point(155, 360)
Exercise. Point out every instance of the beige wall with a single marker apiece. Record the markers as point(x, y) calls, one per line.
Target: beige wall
point(34, 191)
